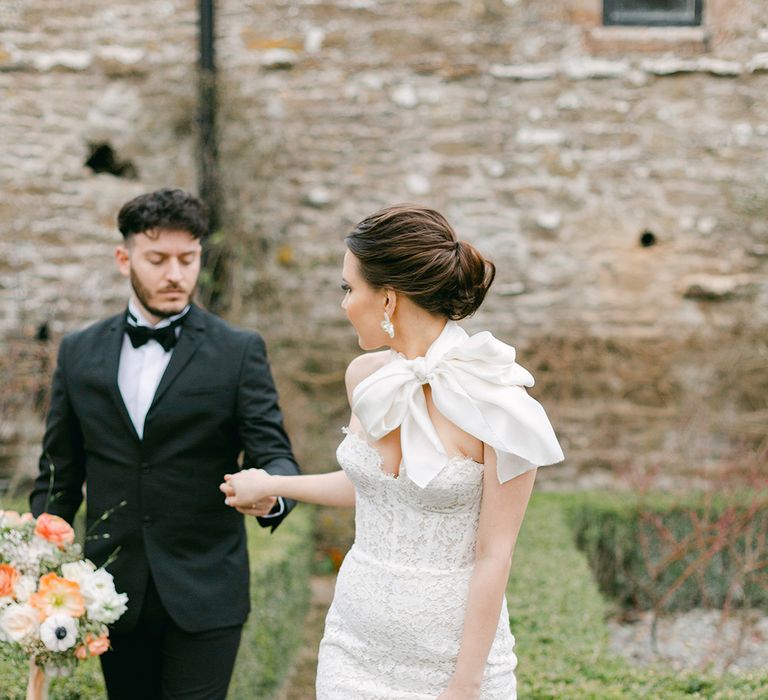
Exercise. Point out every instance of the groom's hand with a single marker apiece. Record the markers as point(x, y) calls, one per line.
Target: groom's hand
point(260, 509)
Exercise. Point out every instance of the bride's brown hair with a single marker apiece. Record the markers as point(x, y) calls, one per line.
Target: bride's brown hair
point(414, 250)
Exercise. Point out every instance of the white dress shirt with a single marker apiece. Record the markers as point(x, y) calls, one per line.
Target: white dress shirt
point(140, 371)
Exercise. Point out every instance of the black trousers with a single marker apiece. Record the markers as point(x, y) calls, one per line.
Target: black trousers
point(157, 660)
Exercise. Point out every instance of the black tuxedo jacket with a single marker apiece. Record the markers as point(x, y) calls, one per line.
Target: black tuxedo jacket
point(216, 399)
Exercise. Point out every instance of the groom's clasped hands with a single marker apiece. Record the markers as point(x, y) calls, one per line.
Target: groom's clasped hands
point(248, 491)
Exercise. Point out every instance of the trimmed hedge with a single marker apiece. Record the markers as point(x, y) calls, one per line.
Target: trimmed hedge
point(679, 555)
point(280, 568)
point(558, 617)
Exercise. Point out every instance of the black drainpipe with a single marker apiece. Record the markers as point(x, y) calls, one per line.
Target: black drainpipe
point(213, 282)
point(208, 176)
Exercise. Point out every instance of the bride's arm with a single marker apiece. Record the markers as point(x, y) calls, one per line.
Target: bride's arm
point(501, 515)
point(251, 489)
point(252, 485)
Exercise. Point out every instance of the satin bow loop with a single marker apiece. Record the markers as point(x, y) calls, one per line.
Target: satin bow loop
point(476, 384)
point(420, 371)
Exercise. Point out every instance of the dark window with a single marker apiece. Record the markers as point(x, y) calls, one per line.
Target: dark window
point(652, 13)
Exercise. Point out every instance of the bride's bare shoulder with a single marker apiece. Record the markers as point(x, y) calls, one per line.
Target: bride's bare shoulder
point(363, 366)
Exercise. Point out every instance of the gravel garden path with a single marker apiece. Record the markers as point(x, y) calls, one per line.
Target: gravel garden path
point(702, 640)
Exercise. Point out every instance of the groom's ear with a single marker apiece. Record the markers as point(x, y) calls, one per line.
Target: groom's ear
point(123, 260)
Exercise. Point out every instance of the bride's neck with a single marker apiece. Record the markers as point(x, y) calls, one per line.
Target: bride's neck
point(414, 335)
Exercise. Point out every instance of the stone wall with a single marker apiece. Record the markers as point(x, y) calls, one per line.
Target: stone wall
point(74, 77)
point(616, 176)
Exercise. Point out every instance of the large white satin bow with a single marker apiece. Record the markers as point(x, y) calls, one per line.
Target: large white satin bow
point(475, 384)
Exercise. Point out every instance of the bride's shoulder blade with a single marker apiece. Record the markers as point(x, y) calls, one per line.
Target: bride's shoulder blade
point(363, 366)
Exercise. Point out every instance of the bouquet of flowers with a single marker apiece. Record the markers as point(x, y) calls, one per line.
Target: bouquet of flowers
point(54, 604)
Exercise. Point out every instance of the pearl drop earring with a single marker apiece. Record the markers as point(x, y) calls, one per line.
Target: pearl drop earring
point(386, 324)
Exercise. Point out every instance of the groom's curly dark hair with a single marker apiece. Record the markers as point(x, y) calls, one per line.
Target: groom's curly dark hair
point(168, 209)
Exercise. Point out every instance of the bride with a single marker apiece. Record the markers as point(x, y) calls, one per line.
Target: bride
point(439, 460)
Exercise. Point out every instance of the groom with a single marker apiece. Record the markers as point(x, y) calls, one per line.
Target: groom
point(149, 409)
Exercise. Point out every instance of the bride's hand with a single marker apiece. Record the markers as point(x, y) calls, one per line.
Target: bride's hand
point(249, 491)
point(449, 694)
point(456, 693)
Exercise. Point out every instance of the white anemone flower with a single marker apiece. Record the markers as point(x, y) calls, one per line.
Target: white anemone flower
point(59, 632)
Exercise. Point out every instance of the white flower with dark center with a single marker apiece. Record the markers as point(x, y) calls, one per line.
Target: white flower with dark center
point(59, 632)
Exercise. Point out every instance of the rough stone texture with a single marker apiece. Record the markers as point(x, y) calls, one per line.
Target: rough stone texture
point(551, 143)
point(82, 74)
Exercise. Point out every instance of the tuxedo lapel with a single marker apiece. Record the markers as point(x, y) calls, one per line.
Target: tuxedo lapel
point(191, 336)
point(112, 348)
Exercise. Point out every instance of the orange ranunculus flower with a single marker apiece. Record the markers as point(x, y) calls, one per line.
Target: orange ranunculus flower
point(57, 595)
point(8, 577)
point(94, 646)
point(54, 529)
point(97, 645)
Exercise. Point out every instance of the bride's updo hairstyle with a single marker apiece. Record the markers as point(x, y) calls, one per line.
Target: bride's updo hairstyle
point(414, 251)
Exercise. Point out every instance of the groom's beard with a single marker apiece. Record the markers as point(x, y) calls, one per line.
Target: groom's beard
point(145, 298)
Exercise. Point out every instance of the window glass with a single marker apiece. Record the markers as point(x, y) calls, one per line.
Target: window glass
point(652, 12)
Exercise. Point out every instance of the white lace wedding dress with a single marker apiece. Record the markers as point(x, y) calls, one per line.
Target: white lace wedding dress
point(394, 628)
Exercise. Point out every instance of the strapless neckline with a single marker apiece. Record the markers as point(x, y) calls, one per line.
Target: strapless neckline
point(389, 476)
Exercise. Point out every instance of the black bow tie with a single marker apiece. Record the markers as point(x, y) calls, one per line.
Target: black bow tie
point(139, 335)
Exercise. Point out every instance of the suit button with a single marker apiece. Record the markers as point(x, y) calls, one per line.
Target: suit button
point(147, 520)
point(145, 467)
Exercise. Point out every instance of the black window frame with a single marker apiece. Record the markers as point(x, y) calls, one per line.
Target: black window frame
point(614, 17)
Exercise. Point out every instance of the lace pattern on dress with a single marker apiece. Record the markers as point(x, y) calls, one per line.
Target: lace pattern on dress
point(394, 629)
